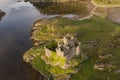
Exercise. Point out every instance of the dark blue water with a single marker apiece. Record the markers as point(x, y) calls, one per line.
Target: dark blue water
point(15, 28)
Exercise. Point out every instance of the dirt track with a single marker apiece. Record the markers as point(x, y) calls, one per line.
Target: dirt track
point(113, 12)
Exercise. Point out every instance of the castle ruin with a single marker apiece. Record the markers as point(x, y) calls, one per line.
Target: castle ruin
point(67, 47)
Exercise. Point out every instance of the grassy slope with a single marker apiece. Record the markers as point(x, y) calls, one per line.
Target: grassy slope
point(94, 29)
point(107, 2)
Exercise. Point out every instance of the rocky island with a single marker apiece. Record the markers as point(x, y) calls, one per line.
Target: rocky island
point(1, 14)
point(76, 49)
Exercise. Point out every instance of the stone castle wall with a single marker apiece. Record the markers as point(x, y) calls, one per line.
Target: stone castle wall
point(68, 47)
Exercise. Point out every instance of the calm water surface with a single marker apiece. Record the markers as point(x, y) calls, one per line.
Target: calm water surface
point(15, 29)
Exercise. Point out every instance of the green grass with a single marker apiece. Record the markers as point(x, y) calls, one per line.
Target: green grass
point(86, 30)
point(85, 72)
point(93, 29)
point(41, 67)
point(54, 59)
point(56, 70)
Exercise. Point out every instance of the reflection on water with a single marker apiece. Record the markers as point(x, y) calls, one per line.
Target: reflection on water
point(69, 7)
point(15, 30)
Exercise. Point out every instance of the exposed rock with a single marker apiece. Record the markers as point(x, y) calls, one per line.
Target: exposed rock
point(99, 66)
point(64, 77)
point(90, 44)
point(47, 52)
point(103, 66)
point(76, 71)
point(114, 15)
point(38, 43)
point(1, 14)
point(105, 56)
point(117, 71)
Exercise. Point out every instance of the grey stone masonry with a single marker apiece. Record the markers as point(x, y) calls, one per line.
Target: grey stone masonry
point(68, 47)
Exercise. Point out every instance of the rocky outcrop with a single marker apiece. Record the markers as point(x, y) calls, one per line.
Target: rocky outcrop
point(103, 66)
point(114, 15)
point(1, 14)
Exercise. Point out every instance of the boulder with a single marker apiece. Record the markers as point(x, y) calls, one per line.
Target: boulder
point(114, 15)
